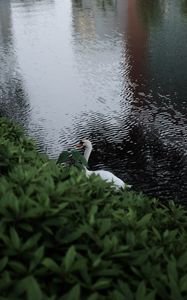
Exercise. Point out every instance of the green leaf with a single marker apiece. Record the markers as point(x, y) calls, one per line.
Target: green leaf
point(145, 220)
point(151, 296)
point(51, 265)
point(73, 294)
point(105, 226)
point(93, 211)
point(63, 157)
point(31, 242)
point(94, 296)
point(183, 283)
point(140, 293)
point(125, 289)
point(173, 279)
point(38, 256)
point(78, 158)
point(102, 284)
point(3, 263)
point(117, 295)
point(17, 267)
point(39, 253)
point(31, 287)
point(69, 258)
point(5, 281)
point(75, 235)
point(26, 227)
point(15, 238)
point(157, 233)
point(140, 257)
point(160, 288)
point(131, 239)
point(172, 270)
point(182, 261)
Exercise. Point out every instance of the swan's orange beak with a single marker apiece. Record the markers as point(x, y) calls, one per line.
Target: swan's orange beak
point(78, 146)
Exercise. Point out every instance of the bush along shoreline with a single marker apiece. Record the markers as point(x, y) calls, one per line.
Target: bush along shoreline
point(66, 237)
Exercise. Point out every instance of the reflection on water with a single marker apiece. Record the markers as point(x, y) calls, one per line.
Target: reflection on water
point(150, 12)
point(184, 7)
point(110, 70)
point(13, 100)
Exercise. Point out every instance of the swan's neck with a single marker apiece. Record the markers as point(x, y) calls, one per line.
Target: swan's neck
point(87, 152)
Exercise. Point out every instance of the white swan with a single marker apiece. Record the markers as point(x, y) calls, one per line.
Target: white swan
point(105, 175)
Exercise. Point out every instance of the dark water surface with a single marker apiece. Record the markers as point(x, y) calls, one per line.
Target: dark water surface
point(114, 71)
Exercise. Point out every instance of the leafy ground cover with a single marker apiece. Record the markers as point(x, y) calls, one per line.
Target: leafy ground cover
point(66, 237)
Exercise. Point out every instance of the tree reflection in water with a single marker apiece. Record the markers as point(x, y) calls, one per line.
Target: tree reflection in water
point(100, 3)
point(13, 99)
point(184, 7)
point(150, 11)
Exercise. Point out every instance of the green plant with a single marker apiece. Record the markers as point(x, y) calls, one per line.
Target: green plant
point(73, 157)
point(64, 236)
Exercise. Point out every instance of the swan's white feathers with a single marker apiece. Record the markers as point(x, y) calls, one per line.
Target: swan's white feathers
point(105, 175)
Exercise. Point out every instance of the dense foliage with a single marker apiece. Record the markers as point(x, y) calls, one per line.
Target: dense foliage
point(66, 237)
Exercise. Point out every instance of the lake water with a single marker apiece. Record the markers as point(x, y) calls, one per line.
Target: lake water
point(114, 71)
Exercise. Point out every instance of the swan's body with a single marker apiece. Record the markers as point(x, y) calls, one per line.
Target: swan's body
point(105, 175)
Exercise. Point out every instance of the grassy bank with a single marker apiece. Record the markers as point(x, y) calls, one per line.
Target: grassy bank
point(64, 237)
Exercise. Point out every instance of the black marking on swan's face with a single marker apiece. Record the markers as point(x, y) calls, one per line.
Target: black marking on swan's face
point(84, 142)
point(81, 142)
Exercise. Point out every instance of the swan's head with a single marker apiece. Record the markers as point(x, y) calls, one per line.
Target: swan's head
point(84, 143)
